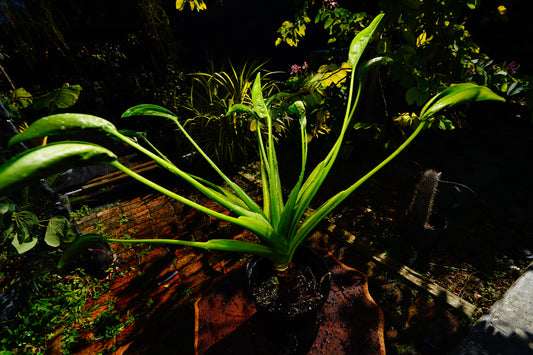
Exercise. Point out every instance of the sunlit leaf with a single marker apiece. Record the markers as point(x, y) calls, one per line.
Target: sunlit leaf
point(64, 123)
point(457, 94)
point(421, 39)
point(22, 98)
point(360, 41)
point(23, 247)
point(54, 158)
point(63, 97)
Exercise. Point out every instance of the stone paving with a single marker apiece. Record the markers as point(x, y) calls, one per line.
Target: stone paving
point(508, 326)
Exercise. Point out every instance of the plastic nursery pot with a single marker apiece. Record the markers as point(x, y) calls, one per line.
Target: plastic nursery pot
point(424, 237)
point(291, 324)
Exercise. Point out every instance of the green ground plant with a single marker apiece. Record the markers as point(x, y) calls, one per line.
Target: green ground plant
point(24, 230)
point(280, 225)
point(59, 309)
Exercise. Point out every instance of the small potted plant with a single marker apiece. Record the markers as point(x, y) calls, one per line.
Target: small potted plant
point(281, 224)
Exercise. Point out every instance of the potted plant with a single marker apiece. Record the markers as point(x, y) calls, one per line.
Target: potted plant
point(281, 224)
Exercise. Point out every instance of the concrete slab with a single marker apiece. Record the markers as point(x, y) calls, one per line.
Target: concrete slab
point(508, 326)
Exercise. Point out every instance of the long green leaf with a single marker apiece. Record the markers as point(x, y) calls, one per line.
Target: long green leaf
point(63, 123)
point(289, 215)
point(241, 108)
point(271, 168)
point(239, 246)
point(312, 221)
point(318, 175)
point(150, 110)
point(457, 94)
point(255, 222)
point(155, 110)
point(361, 40)
point(53, 158)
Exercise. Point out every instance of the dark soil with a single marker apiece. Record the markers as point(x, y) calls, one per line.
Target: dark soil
point(296, 291)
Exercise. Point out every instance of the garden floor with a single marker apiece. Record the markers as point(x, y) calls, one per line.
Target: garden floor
point(481, 253)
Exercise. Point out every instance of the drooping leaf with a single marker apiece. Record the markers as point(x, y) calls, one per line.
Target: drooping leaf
point(53, 158)
point(372, 63)
point(241, 108)
point(360, 41)
point(64, 123)
point(23, 247)
point(59, 229)
point(62, 97)
point(7, 207)
point(149, 110)
point(457, 94)
point(24, 224)
point(22, 98)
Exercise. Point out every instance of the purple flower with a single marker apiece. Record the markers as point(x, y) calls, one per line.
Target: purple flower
point(513, 67)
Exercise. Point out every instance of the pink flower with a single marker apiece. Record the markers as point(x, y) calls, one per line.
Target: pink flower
point(295, 68)
point(331, 4)
point(513, 67)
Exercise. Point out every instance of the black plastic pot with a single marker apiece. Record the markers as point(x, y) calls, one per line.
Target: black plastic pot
point(293, 332)
point(424, 237)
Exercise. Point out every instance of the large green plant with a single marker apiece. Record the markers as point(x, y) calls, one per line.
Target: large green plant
point(280, 224)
